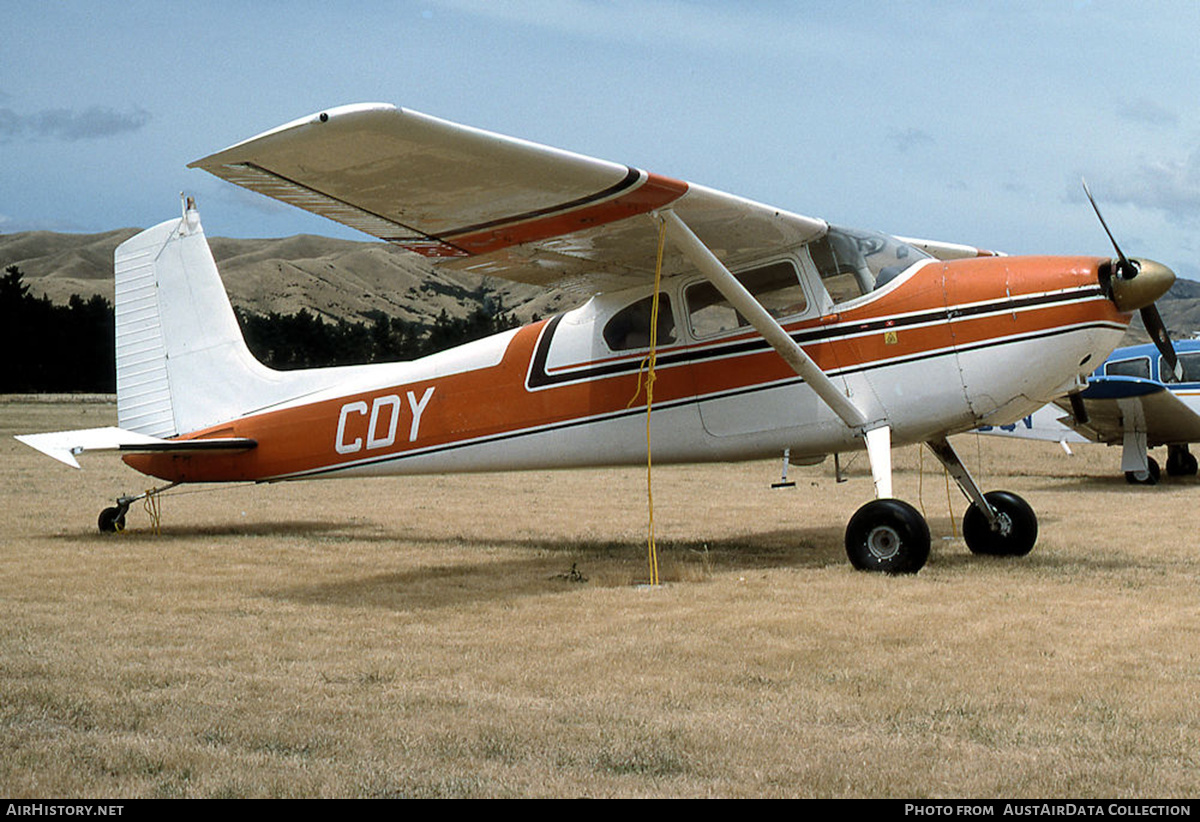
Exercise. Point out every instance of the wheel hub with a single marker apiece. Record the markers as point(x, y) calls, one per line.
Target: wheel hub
point(883, 542)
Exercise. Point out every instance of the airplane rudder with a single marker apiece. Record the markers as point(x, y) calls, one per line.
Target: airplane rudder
point(182, 363)
point(143, 386)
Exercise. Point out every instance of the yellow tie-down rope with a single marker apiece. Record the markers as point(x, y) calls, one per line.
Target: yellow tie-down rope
point(154, 509)
point(647, 365)
point(921, 491)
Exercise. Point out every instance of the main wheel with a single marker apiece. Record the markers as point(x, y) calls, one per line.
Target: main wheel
point(1145, 477)
point(887, 535)
point(1015, 532)
point(1180, 461)
point(111, 520)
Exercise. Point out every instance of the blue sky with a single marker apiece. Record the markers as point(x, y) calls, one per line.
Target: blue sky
point(969, 122)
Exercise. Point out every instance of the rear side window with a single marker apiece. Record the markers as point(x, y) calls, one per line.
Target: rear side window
point(776, 286)
point(629, 328)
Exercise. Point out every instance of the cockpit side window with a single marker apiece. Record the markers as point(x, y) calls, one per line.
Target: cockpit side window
point(629, 328)
point(843, 270)
point(853, 262)
point(1189, 364)
point(1134, 367)
point(776, 286)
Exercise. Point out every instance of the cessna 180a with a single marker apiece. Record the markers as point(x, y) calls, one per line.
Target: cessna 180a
point(772, 331)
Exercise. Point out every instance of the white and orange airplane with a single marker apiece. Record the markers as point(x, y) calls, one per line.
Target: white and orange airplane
point(773, 333)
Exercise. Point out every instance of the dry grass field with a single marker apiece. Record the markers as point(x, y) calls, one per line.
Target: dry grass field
point(423, 638)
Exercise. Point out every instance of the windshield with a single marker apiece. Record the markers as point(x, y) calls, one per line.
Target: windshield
point(853, 262)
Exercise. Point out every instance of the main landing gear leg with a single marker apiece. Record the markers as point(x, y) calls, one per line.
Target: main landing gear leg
point(1139, 467)
point(886, 534)
point(998, 523)
point(112, 519)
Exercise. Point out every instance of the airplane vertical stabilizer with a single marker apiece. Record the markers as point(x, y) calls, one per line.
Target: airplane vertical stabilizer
point(182, 363)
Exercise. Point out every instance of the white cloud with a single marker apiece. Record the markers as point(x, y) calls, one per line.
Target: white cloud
point(1170, 186)
point(702, 27)
point(94, 122)
point(1148, 112)
point(907, 139)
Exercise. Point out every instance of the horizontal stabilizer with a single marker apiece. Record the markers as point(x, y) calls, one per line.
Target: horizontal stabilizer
point(64, 446)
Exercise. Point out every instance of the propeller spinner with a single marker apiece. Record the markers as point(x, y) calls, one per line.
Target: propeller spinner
point(1134, 285)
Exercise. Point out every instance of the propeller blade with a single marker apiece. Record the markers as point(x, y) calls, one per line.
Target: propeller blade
point(1125, 269)
point(1141, 294)
point(1158, 332)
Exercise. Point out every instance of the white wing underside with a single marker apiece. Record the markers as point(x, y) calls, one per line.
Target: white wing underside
point(483, 202)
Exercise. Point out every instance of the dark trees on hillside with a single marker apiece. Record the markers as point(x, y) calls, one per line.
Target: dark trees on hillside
point(305, 340)
point(53, 348)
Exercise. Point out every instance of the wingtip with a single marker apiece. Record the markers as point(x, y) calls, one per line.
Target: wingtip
point(323, 116)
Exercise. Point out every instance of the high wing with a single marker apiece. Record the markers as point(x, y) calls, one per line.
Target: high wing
point(495, 205)
point(1118, 404)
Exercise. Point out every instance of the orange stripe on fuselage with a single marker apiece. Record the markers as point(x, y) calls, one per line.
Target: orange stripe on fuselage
point(481, 403)
point(971, 282)
point(985, 296)
point(894, 327)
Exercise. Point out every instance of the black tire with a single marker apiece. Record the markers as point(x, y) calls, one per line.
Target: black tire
point(887, 536)
point(1180, 462)
point(111, 520)
point(1149, 478)
point(1016, 533)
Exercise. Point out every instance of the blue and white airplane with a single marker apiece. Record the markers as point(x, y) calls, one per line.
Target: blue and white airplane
point(1135, 400)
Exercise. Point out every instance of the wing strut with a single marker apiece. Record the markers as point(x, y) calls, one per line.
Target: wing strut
point(877, 433)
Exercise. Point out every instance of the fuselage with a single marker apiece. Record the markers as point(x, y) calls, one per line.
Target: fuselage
point(944, 347)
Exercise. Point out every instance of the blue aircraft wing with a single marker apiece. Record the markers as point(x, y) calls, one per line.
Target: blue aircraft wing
point(1113, 403)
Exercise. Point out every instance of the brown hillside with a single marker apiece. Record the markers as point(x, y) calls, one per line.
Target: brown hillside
point(337, 278)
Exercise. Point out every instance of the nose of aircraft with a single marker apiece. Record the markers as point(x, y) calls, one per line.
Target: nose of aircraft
point(1134, 285)
point(1149, 280)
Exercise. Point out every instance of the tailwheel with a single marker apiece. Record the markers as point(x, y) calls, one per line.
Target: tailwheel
point(1149, 477)
point(112, 519)
point(1014, 532)
point(888, 535)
